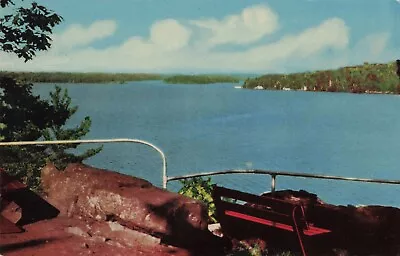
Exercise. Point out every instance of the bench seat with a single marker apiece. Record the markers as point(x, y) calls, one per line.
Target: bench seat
point(242, 213)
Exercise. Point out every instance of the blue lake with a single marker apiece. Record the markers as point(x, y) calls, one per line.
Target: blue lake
point(216, 127)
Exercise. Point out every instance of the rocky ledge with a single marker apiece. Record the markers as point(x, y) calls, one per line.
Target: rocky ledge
point(85, 210)
point(89, 210)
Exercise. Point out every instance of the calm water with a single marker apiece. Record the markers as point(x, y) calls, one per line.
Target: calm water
point(217, 127)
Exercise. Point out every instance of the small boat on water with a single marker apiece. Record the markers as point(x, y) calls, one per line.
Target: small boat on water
point(238, 87)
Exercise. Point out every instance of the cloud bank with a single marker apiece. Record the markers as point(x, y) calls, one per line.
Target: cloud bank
point(231, 44)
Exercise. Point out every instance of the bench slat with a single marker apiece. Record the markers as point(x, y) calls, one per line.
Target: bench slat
point(264, 211)
point(310, 231)
point(313, 231)
point(274, 203)
point(259, 220)
point(273, 216)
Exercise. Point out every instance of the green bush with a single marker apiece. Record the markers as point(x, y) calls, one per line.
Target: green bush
point(254, 248)
point(25, 117)
point(200, 189)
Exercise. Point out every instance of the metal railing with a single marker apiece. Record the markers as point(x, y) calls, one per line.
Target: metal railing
point(166, 178)
point(274, 174)
point(117, 140)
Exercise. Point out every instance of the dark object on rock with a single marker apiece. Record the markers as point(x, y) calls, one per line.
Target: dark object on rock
point(135, 203)
point(398, 68)
point(20, 205)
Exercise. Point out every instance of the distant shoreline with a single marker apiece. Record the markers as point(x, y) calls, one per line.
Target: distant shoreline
point(300, 90)
point(119, 78)
point(201, 79)
point(90, 78)
point(362, 79)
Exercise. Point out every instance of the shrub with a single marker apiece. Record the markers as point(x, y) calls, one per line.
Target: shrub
point(200, 189)
point(25, 117)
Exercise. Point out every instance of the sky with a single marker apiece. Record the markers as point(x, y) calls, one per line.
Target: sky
point(216, 36)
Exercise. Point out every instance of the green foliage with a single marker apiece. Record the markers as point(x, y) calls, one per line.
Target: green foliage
point(366, 78)
point(26, 117)
point(200, 189)
point(246, 249)
point(59, 155)
point(2, 126)
point(26, 30)
point(201, 79)
point(67, 77)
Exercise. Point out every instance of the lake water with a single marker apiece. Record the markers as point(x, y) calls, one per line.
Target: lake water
point(217, 127)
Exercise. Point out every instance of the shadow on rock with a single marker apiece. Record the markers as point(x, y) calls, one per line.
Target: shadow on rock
point(23, 245)
point(201, 241)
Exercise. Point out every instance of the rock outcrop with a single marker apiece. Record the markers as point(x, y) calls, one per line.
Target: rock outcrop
point(81, 190)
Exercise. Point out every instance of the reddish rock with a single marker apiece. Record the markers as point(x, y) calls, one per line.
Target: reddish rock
point(82, 190)
point(70, 237)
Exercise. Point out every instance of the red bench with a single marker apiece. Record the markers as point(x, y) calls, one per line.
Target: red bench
point(255, 216)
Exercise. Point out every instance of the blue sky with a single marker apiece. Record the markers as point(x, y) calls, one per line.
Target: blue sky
point(197, 36)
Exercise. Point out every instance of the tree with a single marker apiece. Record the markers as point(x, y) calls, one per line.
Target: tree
point(26, 117)
point(26, 30)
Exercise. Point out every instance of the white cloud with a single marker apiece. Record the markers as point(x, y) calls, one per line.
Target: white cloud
point(78, 35)
point(250, 25)
point(371, 48)
point(373, 44)
point(172, 46)
point(332, 33)
point(169, 34)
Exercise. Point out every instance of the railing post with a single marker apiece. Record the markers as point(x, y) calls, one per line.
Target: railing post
point(273, 182)
point(165, 179)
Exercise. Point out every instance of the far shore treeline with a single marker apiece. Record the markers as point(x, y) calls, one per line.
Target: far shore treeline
point(67, 77)
point(366, 78)
point(202, 79)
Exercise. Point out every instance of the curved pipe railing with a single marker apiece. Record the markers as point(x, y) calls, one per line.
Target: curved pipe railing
point(118, 140)
point(274, 174)
point(166, 179)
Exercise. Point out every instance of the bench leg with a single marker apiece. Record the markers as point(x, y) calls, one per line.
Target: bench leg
point(298, 229)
